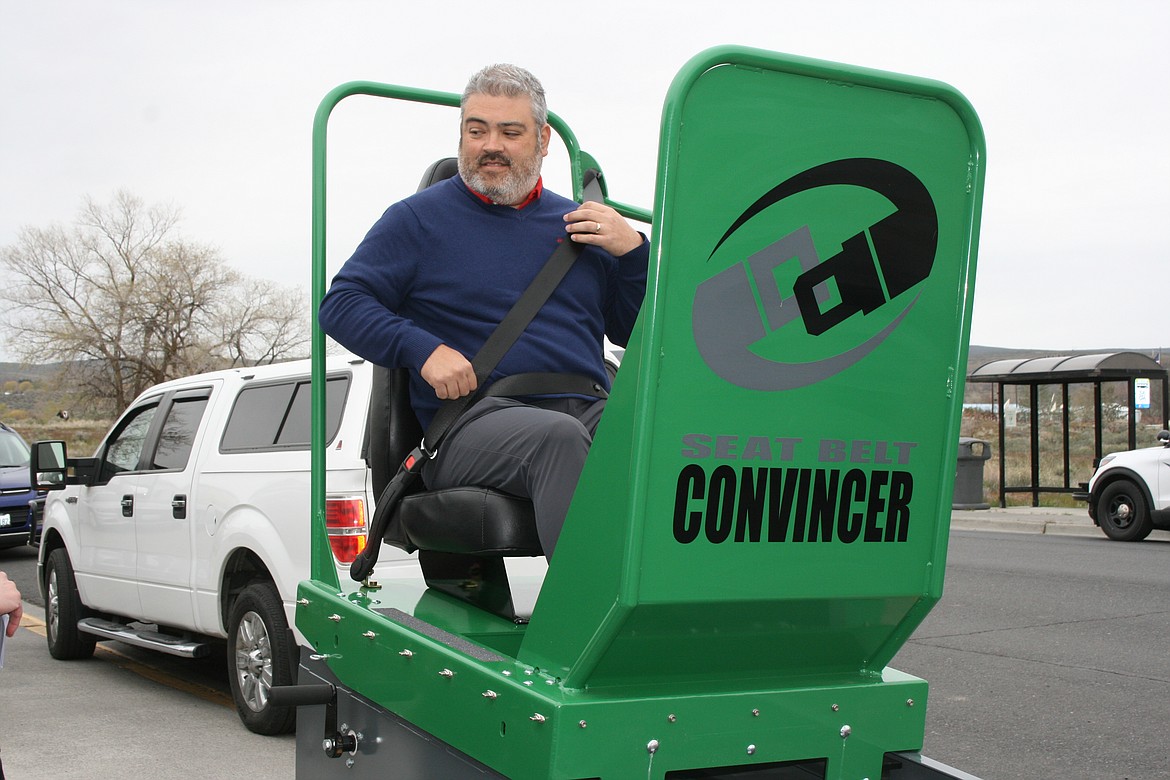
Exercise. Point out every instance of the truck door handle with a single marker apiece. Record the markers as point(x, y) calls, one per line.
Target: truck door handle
point(128, 506)
point(179, 507)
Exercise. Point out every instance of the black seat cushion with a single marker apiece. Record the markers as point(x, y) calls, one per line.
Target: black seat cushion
point(473, 520)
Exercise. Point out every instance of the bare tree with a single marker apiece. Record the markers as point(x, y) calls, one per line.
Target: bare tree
point(264, 324)
point(126, 304)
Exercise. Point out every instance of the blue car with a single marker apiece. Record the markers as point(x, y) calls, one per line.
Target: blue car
point(15, 489)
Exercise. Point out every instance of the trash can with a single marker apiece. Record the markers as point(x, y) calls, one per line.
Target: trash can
point(973, 453)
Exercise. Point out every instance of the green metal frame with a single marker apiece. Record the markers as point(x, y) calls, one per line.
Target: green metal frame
point(649, 652)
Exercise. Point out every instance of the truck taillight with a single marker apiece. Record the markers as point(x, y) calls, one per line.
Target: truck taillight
point(345, 522)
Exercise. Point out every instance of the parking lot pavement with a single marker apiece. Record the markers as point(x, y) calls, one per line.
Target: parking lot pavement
point(108, 717)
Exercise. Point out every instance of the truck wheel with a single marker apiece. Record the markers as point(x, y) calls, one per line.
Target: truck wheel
point(63, 609)
point(260, 654)
point(1122, 513)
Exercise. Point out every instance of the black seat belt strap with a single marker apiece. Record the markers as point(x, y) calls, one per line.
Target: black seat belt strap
point(549, 383)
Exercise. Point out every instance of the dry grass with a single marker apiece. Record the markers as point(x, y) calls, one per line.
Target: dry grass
point(81, 436)
point(1018, 449)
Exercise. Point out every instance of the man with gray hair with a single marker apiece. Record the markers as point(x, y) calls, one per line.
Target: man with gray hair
point(439, 270)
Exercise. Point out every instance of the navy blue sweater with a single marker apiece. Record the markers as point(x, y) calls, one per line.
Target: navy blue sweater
point(443, 267)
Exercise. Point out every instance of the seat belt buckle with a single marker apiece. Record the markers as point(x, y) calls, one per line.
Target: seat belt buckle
point(413, 461)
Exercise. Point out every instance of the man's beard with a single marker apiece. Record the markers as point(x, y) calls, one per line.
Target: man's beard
point(515, 184)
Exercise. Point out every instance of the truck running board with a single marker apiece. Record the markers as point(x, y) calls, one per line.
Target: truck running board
point(144, 637)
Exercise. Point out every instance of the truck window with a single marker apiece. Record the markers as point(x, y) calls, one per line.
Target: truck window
point(125, 449)
point(275, 416)
point(295, 430)
point(178, 433)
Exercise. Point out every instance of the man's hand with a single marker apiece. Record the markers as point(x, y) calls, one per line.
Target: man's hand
point(10, 603)
point(598, 224)
point(449, 373)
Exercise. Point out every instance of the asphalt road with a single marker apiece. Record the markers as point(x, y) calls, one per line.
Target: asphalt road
point(125, 713)
point(1046, 658)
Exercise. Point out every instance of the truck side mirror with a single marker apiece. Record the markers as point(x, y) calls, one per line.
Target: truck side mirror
point(47, 465)
point(1164, 437)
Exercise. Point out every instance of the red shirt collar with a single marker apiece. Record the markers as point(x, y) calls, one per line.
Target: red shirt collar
point(539, 188)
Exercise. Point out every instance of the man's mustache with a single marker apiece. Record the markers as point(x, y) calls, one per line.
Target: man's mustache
point(495, 157)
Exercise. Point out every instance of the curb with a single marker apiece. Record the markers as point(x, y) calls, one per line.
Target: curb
point(1026, 526)
point(1054, 521)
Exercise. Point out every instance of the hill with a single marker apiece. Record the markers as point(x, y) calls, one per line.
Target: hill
point(20, 372)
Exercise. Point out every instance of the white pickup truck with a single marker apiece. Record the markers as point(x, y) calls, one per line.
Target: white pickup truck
point(190, 524)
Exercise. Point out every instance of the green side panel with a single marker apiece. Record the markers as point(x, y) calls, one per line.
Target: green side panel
point(769, 494)
point(527, 726)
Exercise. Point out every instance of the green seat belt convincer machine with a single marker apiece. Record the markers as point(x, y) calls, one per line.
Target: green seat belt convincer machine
point(762, 521)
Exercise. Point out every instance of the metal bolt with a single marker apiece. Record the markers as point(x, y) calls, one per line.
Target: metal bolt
point(755, 713)
point(836, 708)
point(652, 746)
point(303, 602)
point(671, 718)
point(846, 731)
point(582, 724)
point(335, 617)
point(369, 635)
point(349, 762)
point(909, 702)
point(490, 694)
point(538, 718)
point(447, 673)
point(406, 653)
point(751, 750)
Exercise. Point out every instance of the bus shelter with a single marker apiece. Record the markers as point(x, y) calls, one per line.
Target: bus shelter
point(1128, 389)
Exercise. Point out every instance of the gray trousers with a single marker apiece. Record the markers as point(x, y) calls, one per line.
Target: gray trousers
point(535, 450)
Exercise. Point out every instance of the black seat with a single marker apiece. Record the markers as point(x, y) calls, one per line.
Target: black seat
point(468, 520)
point(462, 534)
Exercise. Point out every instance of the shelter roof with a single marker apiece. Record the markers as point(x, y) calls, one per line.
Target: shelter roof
point(1069, 368)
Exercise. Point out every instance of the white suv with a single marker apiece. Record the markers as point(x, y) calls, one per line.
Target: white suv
point(190, 524)
point(1129, 493)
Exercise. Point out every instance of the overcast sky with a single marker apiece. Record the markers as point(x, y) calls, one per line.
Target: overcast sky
point(209, 106)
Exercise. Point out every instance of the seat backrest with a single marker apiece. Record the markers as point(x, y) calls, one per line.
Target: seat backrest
point(439, 170)
point(393, 428)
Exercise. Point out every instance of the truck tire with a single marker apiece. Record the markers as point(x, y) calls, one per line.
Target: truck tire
point(260, 654)
point(1122, 512)
point(63, 608)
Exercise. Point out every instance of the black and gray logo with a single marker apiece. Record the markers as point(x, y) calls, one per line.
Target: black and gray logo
point(873, 268)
